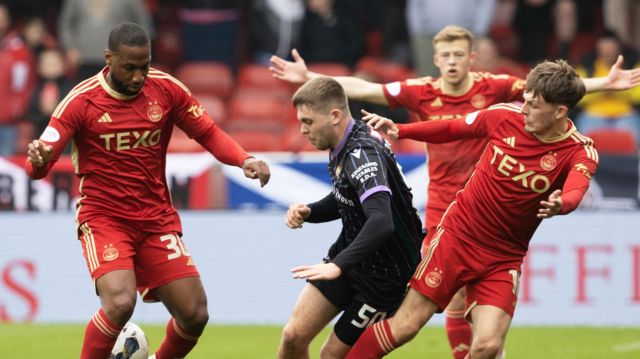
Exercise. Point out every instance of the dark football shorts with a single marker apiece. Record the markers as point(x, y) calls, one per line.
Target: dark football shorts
point(362, 301)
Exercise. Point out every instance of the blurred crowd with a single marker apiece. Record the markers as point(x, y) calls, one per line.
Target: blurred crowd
point(221, 50)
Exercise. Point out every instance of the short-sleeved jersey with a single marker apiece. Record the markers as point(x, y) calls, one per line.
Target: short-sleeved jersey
point(451, 164)
point(498, 207)
point(120, 144)
point(360, 166)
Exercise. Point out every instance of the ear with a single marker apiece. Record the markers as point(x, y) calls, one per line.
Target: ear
point(107, 57)
point(336, 116)
point(562, 111)
point(472, 57)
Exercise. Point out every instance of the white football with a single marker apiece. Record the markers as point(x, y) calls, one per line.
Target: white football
point(132, 343)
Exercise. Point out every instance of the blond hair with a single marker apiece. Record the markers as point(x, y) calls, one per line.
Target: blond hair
point(452, 33)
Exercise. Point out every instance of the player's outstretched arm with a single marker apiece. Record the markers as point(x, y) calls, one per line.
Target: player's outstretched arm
point(296, 214)
point(618, 79)
point(259, 169)
point(552, 206)
point(296, 72)
point(381, 124)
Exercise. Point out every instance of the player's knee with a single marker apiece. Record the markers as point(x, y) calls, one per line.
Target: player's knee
point(486, 348)
point(119, 307)
point(195, 319)
point(293, 336)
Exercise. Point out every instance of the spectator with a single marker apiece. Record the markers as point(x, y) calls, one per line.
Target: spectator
point(17, 77)
point(425, 18)
point(331, 33)
point(35, 35)
point(623, 16)
point(609, 109)
point(488, 59)
point(275, 27)
point(83, 23)
point(210, 30)
point(51, 88)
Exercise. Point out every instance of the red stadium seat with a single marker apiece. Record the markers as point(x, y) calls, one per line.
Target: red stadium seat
point(259, 76)
point(384, 71)
point(206, 78)
point(215, 108)
point(330, 68)
point(180, 142)
point(296, 142)
point(256, 110)
point(614, 141)
point(258, 140)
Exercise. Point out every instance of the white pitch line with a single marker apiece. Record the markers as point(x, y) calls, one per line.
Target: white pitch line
point(627, 347)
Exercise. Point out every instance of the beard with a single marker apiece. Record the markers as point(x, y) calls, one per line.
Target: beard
point(122, 88)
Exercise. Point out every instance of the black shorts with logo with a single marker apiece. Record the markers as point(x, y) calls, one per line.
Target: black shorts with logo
point(364, 301)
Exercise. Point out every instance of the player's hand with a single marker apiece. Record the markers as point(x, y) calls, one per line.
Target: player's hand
point(322, 271)
point(381, 124)
point(39, 153)
point(619, 79)
point(259, 169)
point(295, 72)
point(296, 214)
point(551, 206)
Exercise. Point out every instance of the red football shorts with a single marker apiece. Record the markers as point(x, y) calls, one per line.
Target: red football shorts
point(450, 264)
point(433, 216)
point(157, 257)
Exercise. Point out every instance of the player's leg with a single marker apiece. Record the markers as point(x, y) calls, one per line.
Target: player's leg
point(186, 300)
point(492, 300)
point(311, 313)
point(166, 272)
point(490, 326)
point(457, 328)
point(434, 283)
point(108, 250)
point(386, 335)
point(356, 318)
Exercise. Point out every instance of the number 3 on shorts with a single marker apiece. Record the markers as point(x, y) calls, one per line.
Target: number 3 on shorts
point(175, 244)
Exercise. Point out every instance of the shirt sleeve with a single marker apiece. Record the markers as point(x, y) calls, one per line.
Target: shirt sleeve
point(577, 182)
point(367, 173)
point(508, 88)
point(324, 210)
point(194, 120)
point(57, 134)
point(401, 94)
point(475, 124)
point(376, 229)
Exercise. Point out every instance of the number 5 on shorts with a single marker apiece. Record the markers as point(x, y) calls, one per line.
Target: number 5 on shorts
point(364, 313)
point(176, 245)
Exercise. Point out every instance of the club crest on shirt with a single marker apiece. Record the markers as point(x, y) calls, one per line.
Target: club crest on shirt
point(548, 161)
point(478, 101)
point(110, 253)
point(154, 112)
point(433, 279)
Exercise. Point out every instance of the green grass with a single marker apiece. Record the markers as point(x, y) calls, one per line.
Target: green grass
point(26, 341)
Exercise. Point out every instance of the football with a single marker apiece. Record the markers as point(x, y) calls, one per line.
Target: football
point(132, 343)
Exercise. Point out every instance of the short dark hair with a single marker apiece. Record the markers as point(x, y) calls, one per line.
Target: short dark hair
point(557, 82)
point(128, 34)
point(321, 94)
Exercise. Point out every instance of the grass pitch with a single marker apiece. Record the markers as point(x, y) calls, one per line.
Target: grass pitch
point(38, 341)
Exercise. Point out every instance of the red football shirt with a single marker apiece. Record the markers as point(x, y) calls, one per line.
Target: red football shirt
point(498, 207)
point(450, 164)
point(120, 145)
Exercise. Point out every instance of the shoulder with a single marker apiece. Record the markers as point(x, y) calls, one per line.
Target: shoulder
point(163, 79)
point(584, 145)
point(77, 97)
point(497, 80)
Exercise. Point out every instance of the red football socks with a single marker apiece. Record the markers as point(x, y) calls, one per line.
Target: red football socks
point(374, 343)
point(176, 343)
point(99, 337)
point(459, 333)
